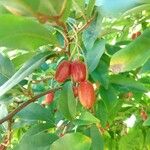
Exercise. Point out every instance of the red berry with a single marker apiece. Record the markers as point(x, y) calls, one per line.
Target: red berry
point(144, 115)
point(135, 35)
point(128, 95)
point(86, 94)
point(48, 99)
point(63, 71)
point(78, 71)
point(138, 34)
point(75, 91)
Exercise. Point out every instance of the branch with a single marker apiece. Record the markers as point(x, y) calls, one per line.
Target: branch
point(14, 112)
point(85, 26)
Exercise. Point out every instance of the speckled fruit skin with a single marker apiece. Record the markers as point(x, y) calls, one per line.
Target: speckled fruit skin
point(78, 71)
point(86, 94)
point(63, 71)
point(48, 99)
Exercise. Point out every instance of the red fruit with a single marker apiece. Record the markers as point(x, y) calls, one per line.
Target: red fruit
point(138, 34)
point(63, 71)
point(128, 95)
point(75, 91)
point(144, 115)
point(48, 99)
point(86, 94)
point(135, 35)
point(78, 71)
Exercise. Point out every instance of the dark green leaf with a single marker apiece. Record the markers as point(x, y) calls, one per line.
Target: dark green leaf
point(97, 140)
point(86, 118)
point(67, 102)
point(91, 33)
point(35, 112)
point(109, 97)
point(102, 113)
point(128, 83)
point(100, 74)
point(36, 138)
point(93, 55)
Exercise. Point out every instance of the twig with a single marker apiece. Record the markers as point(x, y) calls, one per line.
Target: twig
point(84, 27)
point(41, 80)
point(14, 112)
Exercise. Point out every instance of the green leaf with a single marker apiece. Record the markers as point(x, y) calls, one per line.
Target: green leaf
point(36, 138)
point(19, 60)
point(116, 7)
point(109, 97)
point(128, 83)
point(102, 113)
point(100, 74)
point(91, 33)
point(67, 102)
point(46, 7)
point(137, 9)
point(72, 141)
point(28, 33)
point(147, 122)
point(66, 12)
point(93, 55)
point(133, 55)
point(86, 118)
point(35, 112)
point(128, 141)
point(90, 7)
point(24, 71)
point(3, 113)
point(6, 68)
point(97, 140)
point(146, 67)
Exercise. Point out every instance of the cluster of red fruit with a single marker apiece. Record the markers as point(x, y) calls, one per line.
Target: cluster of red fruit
point(78, 72)
point(135, 35)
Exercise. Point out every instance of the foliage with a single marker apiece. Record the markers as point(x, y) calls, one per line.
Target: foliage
point(35, 36)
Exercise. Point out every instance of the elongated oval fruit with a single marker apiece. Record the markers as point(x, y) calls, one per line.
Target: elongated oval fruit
point(78, 71)
point(63, 71)
point(86, 94)
point(48, 99)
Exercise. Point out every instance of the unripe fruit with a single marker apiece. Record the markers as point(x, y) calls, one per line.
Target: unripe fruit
point(75, 91)
point(86, 94)
point(78, 71)
point(48, 99)
point(63, 71)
